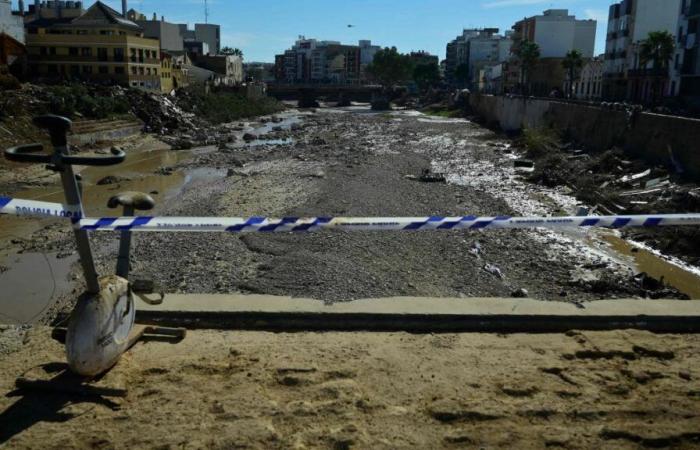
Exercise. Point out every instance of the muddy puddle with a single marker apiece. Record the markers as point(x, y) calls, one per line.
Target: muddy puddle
point(681, 278)
point(30, 285)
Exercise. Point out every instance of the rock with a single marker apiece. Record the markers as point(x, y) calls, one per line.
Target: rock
point(381, 104)
point(110, 179)
point(248, 137)
point(520, 293)
point(493, 270)
point(296, 127)
point(275, 119)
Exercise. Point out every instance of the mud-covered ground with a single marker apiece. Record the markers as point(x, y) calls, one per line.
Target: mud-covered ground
point(224, 390)
point(355, 164)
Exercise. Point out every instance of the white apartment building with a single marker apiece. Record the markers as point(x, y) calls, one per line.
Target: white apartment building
point(10, 24)
point(629, 23)
point(557, 33)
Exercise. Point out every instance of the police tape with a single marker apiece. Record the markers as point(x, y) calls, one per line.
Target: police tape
point(300, 224)
point(33, 208)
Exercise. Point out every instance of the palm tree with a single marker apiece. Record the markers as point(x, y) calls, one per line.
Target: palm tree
point(232, 51)
point(573, 62)
point(658, 48)
point(528, 53)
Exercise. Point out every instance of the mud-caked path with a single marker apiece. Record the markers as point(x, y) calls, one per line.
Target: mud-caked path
point(352, 164)
point(223, 390)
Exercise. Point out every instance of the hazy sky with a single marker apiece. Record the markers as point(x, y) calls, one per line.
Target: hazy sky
point(263, 28)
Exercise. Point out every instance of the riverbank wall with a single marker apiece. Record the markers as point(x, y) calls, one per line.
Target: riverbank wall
point(658, 139)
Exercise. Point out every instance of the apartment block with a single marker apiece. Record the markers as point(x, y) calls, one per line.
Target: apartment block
point(167, 33)
point(329, 62)
point(687, 62)
point(11, 24)
point(476, 49)
point(100, 45)
point(557, 33)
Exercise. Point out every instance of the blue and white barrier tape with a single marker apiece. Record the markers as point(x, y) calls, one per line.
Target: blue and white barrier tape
point(33, 208)
point(297, 224)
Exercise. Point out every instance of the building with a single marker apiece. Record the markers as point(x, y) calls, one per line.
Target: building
point(167, 33)
point(205, 37)
point(589, 85)
point(367, 52)
point(209, 34)
point(228, 69)
point(259, 71)
point(326, 62)
point(196, 48)
point(100, 45)
point(687, 62)
point(11, 24)
point(52, 10)
point(475, 49)
point(12, 56)
point(491, 79)
point(557, 33)
point(629, 23)
point(173, 71)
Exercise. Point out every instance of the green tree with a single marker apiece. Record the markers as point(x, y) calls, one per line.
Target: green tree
point(232, 51)
point(390, 67)
point(528, 54)
point(573, 63)
point(462, 74)
point(658, 48)
point(426, 75)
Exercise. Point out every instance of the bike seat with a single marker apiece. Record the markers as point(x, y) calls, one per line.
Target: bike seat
point(137, 200)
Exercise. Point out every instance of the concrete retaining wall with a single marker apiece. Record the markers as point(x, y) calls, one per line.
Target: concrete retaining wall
point(651, 137)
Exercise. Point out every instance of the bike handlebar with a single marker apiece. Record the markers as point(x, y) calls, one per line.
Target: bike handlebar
point(28, 154)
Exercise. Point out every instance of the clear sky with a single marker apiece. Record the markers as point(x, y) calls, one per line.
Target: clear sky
point(263, 28)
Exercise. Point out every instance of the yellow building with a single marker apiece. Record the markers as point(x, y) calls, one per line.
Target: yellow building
point(99, 46)
point(173, 71)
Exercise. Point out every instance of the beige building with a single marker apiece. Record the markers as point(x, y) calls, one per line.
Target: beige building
point(589, 85)
point(173, 73)
point(99, 45)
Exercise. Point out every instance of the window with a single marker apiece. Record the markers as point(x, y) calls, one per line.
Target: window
point(140, 55)
point(119, 70)
point(119, 54)
point(155, 72)
point(52, 50)
point(85, 51)
point(81, 32)
point(104, 70)
point(43, 51)
point(141, 71)
point(53, 69)
point(87, 70)
point(73, 51)
point(75, 70)
point(133, 70)
point(148, 71)
point(102, 54)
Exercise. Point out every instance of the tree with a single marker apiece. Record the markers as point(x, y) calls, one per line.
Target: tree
point(426, 75)
point(527, 53)
point(658, 48)
point(462, 74)
point(232, 51)
point(573, 63)
point(390, 67)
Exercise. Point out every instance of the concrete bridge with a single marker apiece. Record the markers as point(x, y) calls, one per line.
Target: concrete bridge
point(329, 92)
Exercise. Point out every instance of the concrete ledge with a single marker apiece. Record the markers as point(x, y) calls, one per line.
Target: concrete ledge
point(413, 314)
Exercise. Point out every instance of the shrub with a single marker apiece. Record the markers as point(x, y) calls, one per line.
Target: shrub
point(9, 83)
point(540, 141)
point(223, 106)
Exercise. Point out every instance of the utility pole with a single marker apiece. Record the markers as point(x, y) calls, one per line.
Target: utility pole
point(206, 11)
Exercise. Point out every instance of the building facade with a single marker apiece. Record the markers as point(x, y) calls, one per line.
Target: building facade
point(228, 68)
point(589, 85)
point(209, 34)
point(475, 49)
point(99, 45)
point(557, 33)
point(322, 62)
point(687, 62)
point(11, 24)
point(629, 23)
point(168, 34)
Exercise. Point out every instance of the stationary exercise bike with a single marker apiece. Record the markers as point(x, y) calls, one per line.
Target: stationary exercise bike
point(102, 324)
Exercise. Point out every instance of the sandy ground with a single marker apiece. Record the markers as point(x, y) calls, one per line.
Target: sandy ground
point(224, 390)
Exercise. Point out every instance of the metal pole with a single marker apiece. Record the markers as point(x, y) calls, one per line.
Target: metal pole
point(59, 139)
point(124, 248)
